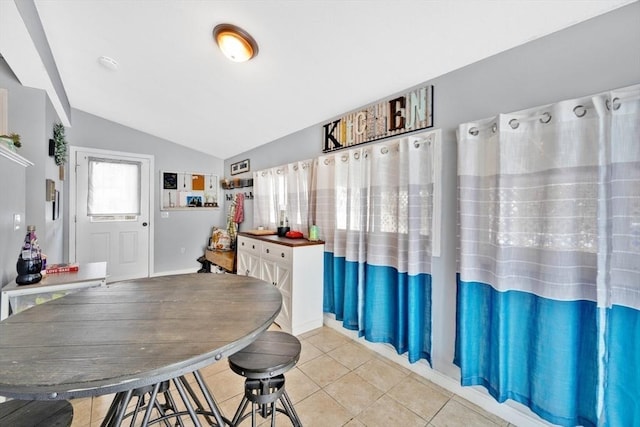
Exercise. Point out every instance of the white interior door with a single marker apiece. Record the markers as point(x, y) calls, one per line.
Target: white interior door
point(112, 213)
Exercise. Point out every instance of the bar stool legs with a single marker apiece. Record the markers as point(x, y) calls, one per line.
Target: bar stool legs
point(168, 411)
point(263, 395)
point(263, 363)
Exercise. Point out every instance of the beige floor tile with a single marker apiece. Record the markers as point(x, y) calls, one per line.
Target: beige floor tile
point(298, 385)
point(337, 382)
point(321, 410)
point(496, 419)
point(309, 333)
point(431, 384)
point(308, 352)
point(387, 412)
point(418, 397)
point(323, 370)
point(353, 393)
point(380, 374)
point(354, 423)
point(327, 339)
point(219, 366)
point(352, 355)
point(455, 414)
point(394, 364)
point(81, 412)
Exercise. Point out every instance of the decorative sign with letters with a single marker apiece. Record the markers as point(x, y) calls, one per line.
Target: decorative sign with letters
point(406, 113)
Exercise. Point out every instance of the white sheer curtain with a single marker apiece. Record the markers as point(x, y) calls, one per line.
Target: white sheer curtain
point(114, 187)
point(284, 187)
point(386, 191)
point(553, 187)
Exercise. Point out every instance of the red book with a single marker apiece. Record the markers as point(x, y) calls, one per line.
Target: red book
point(61, 268)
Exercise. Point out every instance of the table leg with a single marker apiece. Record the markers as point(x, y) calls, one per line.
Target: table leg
point(185, 400)
point(193, 404)
point(213, 406)
point(117, 410)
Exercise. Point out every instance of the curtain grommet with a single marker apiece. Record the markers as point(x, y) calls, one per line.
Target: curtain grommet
point(546, 118)
point(579, 111)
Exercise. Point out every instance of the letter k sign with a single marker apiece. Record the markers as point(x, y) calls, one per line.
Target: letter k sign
point(329, 136)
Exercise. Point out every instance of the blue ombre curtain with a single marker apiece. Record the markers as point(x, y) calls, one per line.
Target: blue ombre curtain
point(548, 303)
point(375, 209)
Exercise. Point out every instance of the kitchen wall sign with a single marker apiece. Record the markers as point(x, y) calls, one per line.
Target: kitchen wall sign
point(406, 113)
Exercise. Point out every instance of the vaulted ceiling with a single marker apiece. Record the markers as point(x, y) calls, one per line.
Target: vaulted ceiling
point(317, 59)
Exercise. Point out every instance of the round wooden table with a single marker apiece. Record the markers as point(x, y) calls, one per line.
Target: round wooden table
point(131, 334)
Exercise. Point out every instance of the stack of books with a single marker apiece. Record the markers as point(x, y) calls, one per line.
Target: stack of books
point(61, 268)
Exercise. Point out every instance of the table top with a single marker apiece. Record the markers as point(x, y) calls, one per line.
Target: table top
point(86, 272)
point(131, 334)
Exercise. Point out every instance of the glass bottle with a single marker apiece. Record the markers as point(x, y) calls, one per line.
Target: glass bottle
point(30, 259)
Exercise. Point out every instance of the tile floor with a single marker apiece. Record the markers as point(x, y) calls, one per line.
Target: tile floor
point(337, 382)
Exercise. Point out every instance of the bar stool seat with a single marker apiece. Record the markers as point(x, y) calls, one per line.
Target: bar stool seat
point(36, 413)
point(263, 363)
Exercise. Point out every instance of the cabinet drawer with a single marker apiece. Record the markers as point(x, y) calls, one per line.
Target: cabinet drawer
point(249, 245)
point(276, 252)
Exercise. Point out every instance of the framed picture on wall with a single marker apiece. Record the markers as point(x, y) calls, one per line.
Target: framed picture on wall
point(240, 167)
point(170, 181)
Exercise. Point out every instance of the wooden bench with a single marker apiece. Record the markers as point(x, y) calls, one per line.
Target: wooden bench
point(36, 413)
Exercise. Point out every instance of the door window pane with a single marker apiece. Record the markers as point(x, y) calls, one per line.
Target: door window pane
point(114, 187)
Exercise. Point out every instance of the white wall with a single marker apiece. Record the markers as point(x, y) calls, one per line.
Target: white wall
point(31, 116)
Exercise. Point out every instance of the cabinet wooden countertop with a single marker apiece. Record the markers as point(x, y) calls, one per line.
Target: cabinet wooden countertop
point(294, 243)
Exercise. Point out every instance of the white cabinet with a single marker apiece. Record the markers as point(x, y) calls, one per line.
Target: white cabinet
point(295, 266)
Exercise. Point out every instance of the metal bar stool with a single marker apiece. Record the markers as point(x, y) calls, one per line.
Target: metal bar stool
point(30, 413)
point(263, 364)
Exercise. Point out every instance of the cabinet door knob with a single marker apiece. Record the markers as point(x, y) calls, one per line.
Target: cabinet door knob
point(253, 246)
point(242, 243)
point(282, 254)
point(267, 250)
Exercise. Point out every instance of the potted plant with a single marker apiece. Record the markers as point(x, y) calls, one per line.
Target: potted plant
point(12, 141)
point(60, 151)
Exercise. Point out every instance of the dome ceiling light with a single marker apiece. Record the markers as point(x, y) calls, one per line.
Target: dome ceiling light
point(235, 43)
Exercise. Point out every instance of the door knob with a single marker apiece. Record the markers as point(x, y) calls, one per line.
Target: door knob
point(144, 224)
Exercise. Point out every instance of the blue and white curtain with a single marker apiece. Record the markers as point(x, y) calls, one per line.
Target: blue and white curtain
point(549, 264)
point(374, 206)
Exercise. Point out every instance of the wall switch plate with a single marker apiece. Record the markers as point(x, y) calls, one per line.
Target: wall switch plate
point(17, 220)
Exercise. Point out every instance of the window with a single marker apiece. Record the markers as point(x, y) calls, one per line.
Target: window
point(114, 190)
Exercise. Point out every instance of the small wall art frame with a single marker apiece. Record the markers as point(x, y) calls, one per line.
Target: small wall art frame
point(240, 167)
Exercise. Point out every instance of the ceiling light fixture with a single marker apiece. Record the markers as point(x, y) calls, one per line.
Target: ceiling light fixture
point(235, 43)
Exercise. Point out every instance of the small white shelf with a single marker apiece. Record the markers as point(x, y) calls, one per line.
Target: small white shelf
point(13, 156)
point(178, 189)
